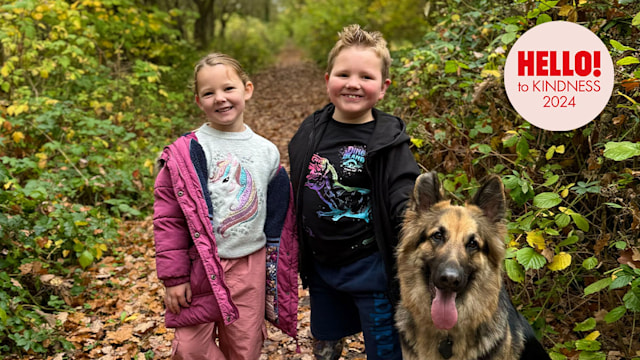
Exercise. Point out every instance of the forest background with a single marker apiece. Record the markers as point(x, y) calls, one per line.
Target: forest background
point(91, 90)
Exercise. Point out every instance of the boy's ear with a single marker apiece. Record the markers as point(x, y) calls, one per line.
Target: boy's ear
point(385, 86)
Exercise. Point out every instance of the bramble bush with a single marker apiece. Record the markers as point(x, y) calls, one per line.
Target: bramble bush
point(574, 218)
point(89, 92)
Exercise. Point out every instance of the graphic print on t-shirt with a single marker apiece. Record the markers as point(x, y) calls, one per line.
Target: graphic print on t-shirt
point(237, 186)
point(352, 159)
point(342, 200)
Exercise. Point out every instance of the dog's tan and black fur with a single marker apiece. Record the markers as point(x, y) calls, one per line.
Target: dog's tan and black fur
point(453, 303)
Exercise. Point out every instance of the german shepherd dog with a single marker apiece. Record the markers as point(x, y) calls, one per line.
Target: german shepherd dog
point(453, 304)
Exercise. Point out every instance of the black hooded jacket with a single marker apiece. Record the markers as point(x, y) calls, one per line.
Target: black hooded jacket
point(389, 163)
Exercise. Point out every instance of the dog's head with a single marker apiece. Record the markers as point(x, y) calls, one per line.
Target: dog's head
point(448, 251)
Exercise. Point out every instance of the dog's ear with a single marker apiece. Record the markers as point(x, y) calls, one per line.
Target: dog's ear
point(427, 191)
point(490, 198)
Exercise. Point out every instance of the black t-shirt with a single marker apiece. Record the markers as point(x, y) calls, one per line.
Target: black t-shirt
point(337, 195)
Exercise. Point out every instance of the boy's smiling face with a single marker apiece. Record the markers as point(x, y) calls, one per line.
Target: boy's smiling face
point(355, 84)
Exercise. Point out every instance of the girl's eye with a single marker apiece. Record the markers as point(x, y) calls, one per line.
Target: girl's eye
point(229, 88)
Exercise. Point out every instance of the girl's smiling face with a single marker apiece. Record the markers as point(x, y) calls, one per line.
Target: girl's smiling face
point(221, 96)
point(355, 84)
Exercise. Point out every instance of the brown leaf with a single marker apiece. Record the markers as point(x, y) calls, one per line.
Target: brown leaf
point(630, 257)
point(119, 336)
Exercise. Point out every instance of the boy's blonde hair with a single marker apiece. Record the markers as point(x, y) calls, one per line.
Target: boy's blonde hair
point(354, 36)
point(218, 59)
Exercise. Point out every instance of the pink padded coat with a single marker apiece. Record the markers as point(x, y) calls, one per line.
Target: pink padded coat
point(186, 246)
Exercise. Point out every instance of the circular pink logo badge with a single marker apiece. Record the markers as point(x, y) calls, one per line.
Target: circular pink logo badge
point(559, 76)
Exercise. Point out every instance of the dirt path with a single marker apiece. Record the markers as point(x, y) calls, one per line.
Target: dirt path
point(121, 315)
point(283, 96)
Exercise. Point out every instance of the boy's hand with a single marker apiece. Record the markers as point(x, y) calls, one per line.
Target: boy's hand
point(178, 296)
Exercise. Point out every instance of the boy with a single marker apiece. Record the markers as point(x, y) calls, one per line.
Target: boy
point(352, 172)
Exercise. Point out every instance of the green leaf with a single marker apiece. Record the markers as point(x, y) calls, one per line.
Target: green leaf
point(597, 286)
point(483, 148)
point(546, 200)
point(615, 314)
point(557, 356)
point(450, 67)
point(530, 259)
point(619, 46)
point(522, 147)
point(621, 281)
point(586, 325)
point(551, 180)
point(636, 20)
point(508, 38)
point(569, 241)
point(623, 150)
point(514, 270)
point(3, 316)
point(613, 205)
point(632, 299)
point(590, 355)
point(562, 220)
point(628, 60)
point(590, 263)
point(588, 345)
point(85, 259)
point(544, 18)
point(580, 222)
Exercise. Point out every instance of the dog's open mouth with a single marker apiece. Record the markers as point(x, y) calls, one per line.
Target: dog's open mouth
point(443, 309)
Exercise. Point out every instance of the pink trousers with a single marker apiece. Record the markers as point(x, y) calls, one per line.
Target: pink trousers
point(241, 340)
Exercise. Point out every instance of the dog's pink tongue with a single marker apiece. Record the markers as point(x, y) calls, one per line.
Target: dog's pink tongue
point(443, 310)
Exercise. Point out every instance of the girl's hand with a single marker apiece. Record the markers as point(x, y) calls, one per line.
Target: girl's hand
point(178, 296)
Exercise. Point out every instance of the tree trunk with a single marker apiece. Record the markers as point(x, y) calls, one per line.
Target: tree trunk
point(205, 24)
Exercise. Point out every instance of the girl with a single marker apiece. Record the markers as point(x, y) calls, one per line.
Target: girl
point(213, 217)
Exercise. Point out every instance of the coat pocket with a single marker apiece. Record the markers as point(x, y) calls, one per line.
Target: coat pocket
point(198, 277)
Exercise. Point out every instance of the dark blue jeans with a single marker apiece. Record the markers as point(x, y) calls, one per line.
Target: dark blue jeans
point(352, 298)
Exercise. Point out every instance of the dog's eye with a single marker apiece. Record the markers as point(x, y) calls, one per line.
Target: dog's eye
point(472, 244)
point(438, 237)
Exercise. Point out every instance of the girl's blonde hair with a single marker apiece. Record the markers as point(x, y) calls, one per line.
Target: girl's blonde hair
point(218, 59)
point(354, 36)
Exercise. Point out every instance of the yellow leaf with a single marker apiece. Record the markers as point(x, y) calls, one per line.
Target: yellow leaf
point(8, 185)
point(560, 149)
point(48, 244)
point(536, 240)
point(37, 16)
point(594, 335)
point(163, 93)
point(65, 253)
point(455, 17)
point(5, 71)
point(81, 223)
point(565, 10)
point(18, 136)
point(149, 165)
point(582, 2)
point(564, 193)
point(494, 73)
point(44, 74)
point(417, 142)
point(560, 261)
point(132, 317)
